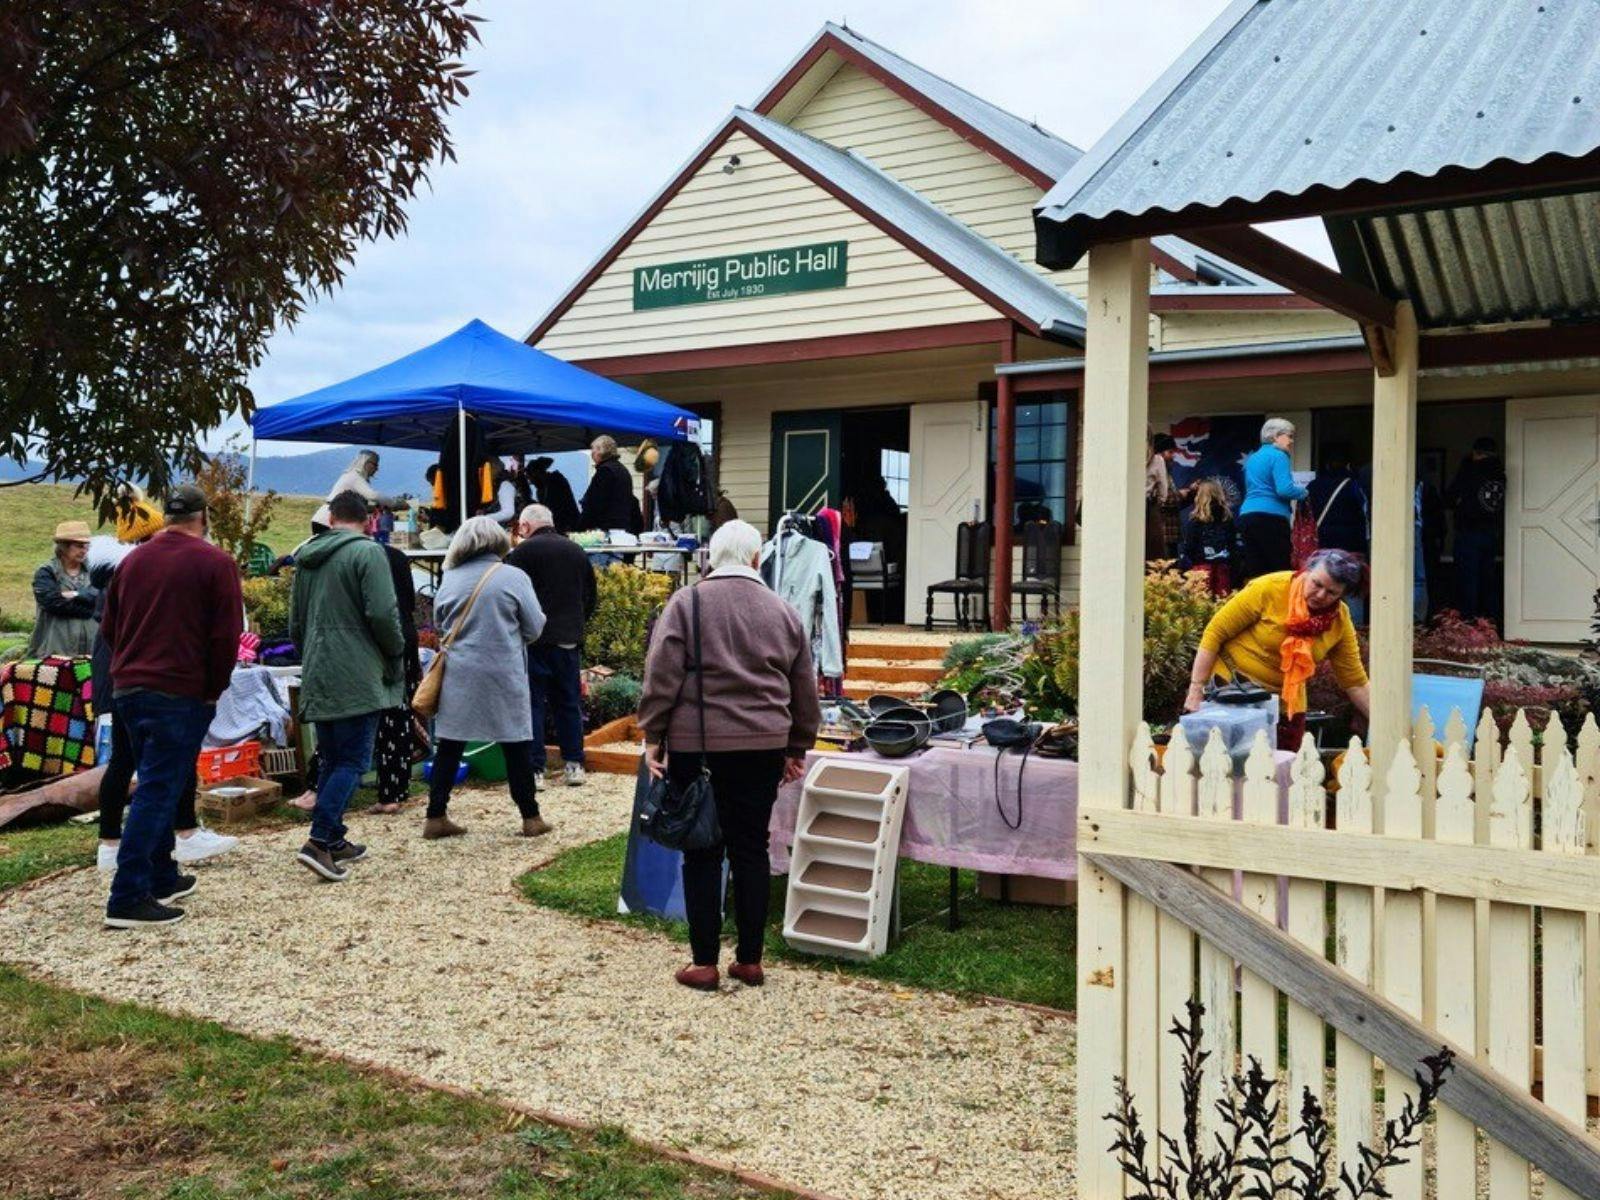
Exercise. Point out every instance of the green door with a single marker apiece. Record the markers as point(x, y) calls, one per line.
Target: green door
point(805, 463)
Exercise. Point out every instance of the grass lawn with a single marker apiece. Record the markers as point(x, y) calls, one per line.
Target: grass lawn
point(117, 1100)
point(30, 512)
point(1015, 952)
point(104, 1100)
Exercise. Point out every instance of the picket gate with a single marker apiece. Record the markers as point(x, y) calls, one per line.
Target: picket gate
point(1463, 889)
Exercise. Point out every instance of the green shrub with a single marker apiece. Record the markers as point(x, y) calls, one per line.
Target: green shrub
point(1176, 610)
point(628, 599)
point(613, 698)
point(969, 651)
point(266, 603)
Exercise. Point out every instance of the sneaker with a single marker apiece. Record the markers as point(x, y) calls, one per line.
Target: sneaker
point(146, 914)
point(347, 852)
point(575, 775)
point(201, 845)
point(105, 858)
point(182, 886)
point(319, 860)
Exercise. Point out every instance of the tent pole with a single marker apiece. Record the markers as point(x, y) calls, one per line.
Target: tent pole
point(250, 478)
point(466, 467)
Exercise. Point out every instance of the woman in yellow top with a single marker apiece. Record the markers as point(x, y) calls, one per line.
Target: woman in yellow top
point(1279, 628)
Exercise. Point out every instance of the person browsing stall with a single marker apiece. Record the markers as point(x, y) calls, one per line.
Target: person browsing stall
point(345, 619)
point(487, 616)
point(173, 616)
point(563, 580)
point(1276, 632)
point(758, 686)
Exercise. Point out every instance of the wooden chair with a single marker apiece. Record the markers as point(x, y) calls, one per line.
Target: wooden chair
point(1041, 566)
point(972, 574)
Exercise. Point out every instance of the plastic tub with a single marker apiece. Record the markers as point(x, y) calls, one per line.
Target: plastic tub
point(486, 760)
point(427, 772)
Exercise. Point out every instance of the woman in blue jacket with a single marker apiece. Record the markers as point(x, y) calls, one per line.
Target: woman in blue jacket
point(1269, 490)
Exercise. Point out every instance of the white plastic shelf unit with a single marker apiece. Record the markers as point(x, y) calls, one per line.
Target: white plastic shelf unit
point(842, 871)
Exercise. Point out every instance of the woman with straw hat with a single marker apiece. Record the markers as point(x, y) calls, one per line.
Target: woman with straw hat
point(65, 598)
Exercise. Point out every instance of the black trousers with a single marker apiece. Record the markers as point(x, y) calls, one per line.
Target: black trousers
point(118, 779)
point(519, 776)
point(1264, 546)
point(746, 786)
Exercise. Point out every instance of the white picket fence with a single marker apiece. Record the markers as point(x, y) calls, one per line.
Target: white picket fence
point(1476, 956)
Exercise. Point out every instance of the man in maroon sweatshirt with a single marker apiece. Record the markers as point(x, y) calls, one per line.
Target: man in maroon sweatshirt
point(172, 620)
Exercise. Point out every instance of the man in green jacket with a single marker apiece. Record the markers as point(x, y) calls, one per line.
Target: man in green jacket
point(344, 618)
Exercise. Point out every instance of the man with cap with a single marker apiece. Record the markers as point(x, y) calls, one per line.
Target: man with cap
point(173, 616)
point(65, 597)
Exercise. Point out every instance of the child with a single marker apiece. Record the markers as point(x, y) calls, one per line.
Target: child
point(1208, 541)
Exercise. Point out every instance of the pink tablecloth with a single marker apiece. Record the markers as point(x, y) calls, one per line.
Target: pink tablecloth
point(951, 819)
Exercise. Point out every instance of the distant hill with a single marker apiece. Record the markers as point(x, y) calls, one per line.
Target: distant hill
point(399, 471)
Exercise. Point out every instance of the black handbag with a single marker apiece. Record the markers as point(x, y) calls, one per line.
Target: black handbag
point(685, 818)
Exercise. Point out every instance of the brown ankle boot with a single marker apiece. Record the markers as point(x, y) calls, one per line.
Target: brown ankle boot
point(434, 828)
point(701, 979)
point(535, 827)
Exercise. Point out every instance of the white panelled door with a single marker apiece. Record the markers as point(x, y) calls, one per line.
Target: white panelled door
point(949, 472)
point(1552, 517)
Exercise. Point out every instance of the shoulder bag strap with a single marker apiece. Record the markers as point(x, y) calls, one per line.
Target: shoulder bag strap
point(466, 608)
point(1328, 507)
point(699, 668)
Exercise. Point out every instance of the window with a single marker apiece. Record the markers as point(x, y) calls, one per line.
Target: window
point(895, 466)
point(1045, 488)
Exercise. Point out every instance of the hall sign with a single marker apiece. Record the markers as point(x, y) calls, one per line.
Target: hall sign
point(741, 276)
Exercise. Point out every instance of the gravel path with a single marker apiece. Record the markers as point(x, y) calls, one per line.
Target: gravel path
point(429, 962)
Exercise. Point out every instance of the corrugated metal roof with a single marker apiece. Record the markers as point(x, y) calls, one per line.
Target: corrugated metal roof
point(1052, 311)
point(1053, 155)
point(1282, 96)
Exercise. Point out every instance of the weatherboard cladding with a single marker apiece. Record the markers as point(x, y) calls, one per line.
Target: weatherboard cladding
point(1049, 309)
point(764, 204)
point(1027, 140)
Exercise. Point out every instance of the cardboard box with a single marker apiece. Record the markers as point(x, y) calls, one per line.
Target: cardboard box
point(1028, 889)
point(234, 800)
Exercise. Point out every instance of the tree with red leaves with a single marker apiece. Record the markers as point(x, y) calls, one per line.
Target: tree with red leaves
point(177, 179)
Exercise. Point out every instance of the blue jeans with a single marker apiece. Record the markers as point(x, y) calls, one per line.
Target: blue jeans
point(345, 749)
point(164, 734)
point(553, 682)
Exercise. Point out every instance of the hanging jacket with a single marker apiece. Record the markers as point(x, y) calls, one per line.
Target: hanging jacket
point(805, 580)
point(684, 489)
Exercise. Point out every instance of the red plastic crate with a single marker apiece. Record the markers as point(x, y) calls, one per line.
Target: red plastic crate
point(228, 762)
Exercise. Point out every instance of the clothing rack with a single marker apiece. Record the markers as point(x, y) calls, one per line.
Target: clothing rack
point(805, 525)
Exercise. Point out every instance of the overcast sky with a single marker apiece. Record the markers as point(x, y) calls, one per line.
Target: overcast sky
point(580, 112)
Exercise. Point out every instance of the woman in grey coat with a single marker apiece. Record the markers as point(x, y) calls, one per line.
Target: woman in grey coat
point(485, 693)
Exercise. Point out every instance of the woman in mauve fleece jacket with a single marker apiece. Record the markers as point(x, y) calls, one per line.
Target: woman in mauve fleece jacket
point(759, 688)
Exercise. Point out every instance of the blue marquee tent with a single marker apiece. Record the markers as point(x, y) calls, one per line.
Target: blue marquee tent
point(523, 399)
